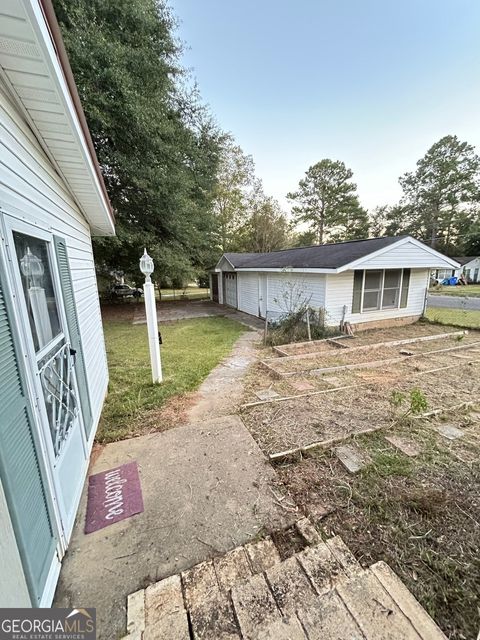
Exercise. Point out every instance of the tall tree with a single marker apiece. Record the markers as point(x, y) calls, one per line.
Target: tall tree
point(328, 203)
point(438, 196)
point(235, 180)
point(156, 143)
point(266, 228)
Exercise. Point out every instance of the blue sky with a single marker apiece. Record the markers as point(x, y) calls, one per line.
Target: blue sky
point(371, 82)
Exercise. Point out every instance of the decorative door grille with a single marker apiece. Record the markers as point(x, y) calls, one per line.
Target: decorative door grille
point(61, 402)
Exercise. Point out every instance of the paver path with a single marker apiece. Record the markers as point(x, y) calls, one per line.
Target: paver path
point(319, 593)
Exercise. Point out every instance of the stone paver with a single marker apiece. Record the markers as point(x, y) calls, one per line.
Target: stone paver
point(290, 586)
point(449, 431)
point(322, 567)
point(232, 568)
point(166, 617)
point(301, 385)
point(405, 445)
point(334, 381)
point(308, 531)
point(329, 620)
point(406, 602)
point(343, 555)
point(374, 610)
point(262, 554)
point(352, 458)
point(136, 613)
point(266, 394)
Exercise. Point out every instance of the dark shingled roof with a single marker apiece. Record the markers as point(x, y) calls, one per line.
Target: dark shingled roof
point(324, 256)
point(464, 259)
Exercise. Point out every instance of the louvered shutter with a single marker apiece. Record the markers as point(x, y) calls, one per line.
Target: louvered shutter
point(20, 470)
point(405, 287)
point(357, 291)
point(74, 331)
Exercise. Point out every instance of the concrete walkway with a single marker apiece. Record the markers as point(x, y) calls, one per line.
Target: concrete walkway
point(207, 488)
point(453, 302)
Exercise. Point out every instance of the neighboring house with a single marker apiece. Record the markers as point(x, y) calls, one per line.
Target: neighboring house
point(368, 283)
point(470, 268)
point(53, 369)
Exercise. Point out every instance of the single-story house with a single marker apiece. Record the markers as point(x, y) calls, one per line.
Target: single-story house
point(53, 368)
point(469, 267)
point(368, 283)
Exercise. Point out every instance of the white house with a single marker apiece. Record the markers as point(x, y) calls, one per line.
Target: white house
point(53, 369)
point(367, 283)
point(470, 268)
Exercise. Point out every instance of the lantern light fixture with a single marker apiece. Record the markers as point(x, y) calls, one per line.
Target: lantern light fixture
point(146, 265)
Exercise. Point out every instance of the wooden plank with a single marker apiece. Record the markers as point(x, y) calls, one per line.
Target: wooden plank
point(166, 617)
point(329, 620)
point(198, 583)
point(376, 345)
point(406, 602)
point(301, 395)
point(374, 610)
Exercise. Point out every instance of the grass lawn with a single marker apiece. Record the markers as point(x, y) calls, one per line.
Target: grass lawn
point(455, 317)
point(471, 290)
point(190, 293)
point(190, 350)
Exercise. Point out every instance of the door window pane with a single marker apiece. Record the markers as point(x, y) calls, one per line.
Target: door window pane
point(35, 271)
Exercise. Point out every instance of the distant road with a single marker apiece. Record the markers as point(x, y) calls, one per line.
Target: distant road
point(453, 302)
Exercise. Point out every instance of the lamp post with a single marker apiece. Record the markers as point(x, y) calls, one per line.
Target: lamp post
point(146, 267)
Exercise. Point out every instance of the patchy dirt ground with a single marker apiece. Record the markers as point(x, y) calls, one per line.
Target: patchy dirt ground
point(420, 514)
point(333, 405)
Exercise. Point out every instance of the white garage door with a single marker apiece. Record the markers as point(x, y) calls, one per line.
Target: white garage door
point(230, 289)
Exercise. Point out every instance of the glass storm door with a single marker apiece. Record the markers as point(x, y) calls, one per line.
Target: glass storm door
point(52, 363)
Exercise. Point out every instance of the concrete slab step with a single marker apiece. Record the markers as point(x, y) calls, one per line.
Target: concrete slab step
point(165, 613)
point(322, 568)
point(262, 554)
point(290, 586)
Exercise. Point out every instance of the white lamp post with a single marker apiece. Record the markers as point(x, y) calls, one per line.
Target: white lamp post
point(146, 267)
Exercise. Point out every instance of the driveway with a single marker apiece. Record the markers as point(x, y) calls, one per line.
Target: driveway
point(453, 302)
point(173, 311)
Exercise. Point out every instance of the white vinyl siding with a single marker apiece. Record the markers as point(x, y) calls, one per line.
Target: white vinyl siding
point(405, 254)
point(300, 287)
point(32, 191)
point(339, 292)
point(247, 289)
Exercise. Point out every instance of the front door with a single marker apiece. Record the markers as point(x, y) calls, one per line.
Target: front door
point(51, 363)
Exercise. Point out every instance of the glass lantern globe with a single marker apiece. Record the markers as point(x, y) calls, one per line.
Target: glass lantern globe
point(32, 268)
point(146, 265)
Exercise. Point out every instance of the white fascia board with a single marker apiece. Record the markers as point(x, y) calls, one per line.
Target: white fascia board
point(224, 257)
point(437, 255)
point(45, 43)
point(287, 270)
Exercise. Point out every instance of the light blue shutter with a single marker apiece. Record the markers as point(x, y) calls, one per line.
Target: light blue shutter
point(19, 464)
point(74, 331)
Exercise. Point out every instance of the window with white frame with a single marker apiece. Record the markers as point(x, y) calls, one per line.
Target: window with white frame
point(381, 289)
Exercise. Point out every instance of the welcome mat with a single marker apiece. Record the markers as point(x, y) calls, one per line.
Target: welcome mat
point(113, 496)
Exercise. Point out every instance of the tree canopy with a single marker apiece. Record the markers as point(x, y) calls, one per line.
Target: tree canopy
point(158, 146)
point(327, 201)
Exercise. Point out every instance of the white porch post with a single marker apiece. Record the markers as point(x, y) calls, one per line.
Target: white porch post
point(146, 267)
